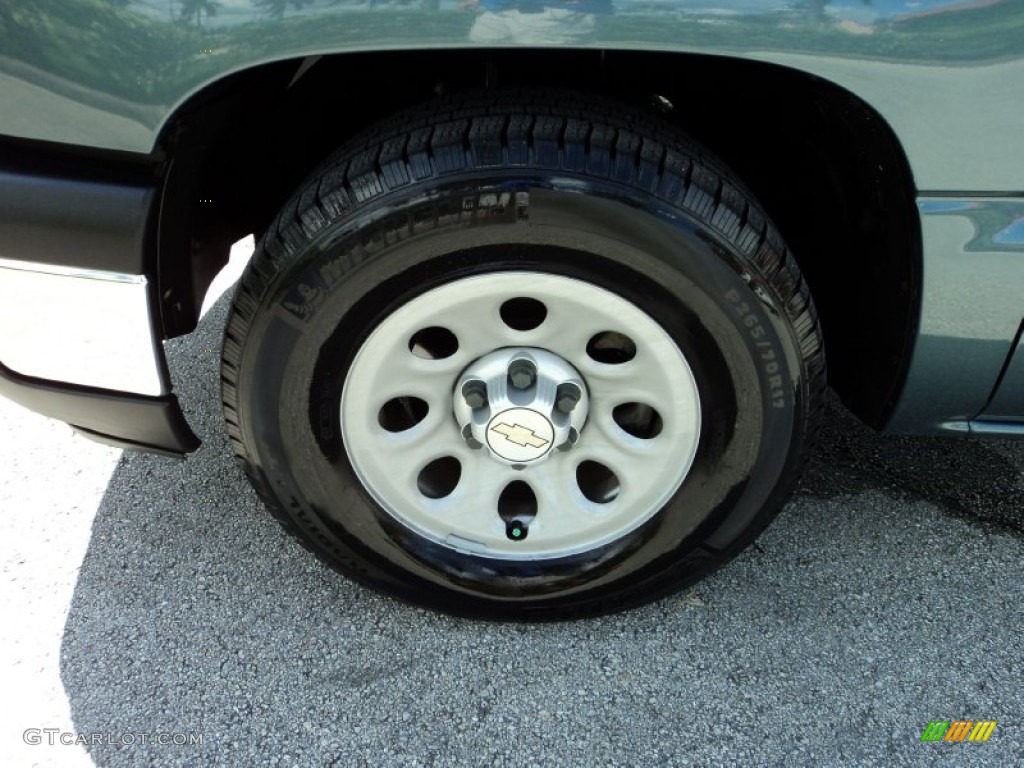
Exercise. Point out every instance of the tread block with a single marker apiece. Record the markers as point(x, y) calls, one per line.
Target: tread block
point(485, 143)
point(700, 196)
point(675, 177)
point(574, 153)
point(364, 181)
point(449, 146)
point(392, 162)
point(311, 216)
point(418, 151)
point(627, 152)
point(334, 197)
point(727, 216)
point(753, 231)
point(602, 139)
point(547, 133)
point(649, 172)
point(517, 139)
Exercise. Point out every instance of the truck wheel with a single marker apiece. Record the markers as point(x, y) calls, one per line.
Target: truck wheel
point(523, 356)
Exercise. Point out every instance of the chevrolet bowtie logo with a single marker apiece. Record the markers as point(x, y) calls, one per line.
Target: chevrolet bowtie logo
point(519, 435)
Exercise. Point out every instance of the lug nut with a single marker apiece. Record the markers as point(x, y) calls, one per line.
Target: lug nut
point(566, 397)
point(574, 437)
point(474, 392)
point(522, 373)
point(467, 435)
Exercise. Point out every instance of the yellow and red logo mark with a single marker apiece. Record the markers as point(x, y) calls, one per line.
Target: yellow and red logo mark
point(958, 730)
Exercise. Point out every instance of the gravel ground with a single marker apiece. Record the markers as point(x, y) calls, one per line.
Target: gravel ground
point(144, 595)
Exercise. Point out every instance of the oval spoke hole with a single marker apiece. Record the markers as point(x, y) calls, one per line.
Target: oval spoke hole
point(434, 343)
point(597, 482)
point(523, 314)
point(611, 348)
point(638, 419)
point(439, 477)
point(401, 413)
point(517, 503)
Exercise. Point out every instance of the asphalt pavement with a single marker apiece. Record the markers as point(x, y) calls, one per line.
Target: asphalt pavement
point(147, 599)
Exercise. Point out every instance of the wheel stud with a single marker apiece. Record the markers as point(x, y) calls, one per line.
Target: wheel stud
point(566, 397)
point(474, 392)
point(467, 435)
point(574, 437)
point(522, 373)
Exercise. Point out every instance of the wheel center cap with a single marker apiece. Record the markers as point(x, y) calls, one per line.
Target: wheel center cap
point(520, 435)
point(520, 402)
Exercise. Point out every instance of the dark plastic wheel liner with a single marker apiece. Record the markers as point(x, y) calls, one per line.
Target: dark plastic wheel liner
point(550, 184)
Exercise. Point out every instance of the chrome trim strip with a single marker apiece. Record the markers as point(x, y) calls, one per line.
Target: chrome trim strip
point(79, 326)
point(86, 274)
point(1002, 430)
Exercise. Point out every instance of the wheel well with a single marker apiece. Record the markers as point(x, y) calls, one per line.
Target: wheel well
point(827, 168)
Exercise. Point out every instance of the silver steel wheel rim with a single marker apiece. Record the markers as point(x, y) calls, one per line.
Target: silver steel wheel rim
point(391, 462)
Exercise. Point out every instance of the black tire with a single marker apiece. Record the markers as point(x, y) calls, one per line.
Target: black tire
point(541, 184)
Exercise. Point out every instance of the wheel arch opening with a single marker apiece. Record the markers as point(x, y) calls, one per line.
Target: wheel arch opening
point(829, 170)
